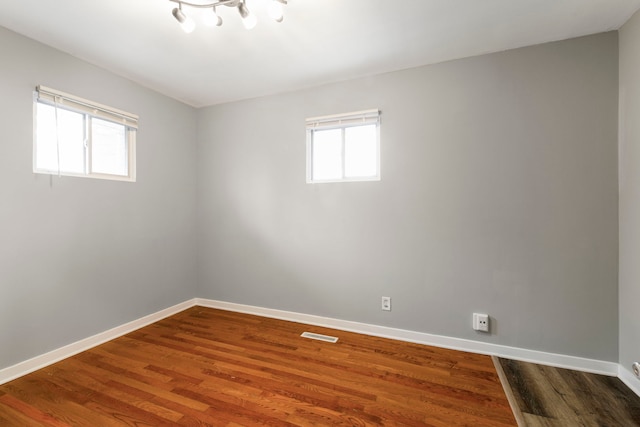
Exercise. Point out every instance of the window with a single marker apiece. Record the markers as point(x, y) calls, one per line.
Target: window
point(76, 137)
point(344, 147)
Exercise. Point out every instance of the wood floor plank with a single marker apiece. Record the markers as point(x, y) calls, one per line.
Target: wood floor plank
point(66, 410)
point(206, 367)
point(538, 421)
point(28, 414)
point(101, 382)
point(549, 396)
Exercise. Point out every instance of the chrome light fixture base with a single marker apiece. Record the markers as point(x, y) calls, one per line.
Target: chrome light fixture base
point(249, 20)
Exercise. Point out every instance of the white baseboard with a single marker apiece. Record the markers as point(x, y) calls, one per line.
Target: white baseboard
point(39, 362)
point(629, 379)
point(534, 356)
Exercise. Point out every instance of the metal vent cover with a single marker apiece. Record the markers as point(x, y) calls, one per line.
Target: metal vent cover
point(319, 337)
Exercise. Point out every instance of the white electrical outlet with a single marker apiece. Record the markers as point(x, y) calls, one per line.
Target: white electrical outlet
point(636, 369)
point(386, 303)
point(481, 322)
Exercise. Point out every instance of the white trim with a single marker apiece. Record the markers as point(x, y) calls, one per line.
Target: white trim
point(534, 356)
point(629, 379)
point(39, 362)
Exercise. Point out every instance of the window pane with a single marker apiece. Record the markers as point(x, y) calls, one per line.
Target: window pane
point(360, 152)
point(67, 138)
point(109, 148)
point(327, 154)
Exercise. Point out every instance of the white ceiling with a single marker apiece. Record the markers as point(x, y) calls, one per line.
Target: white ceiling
point(319, 41)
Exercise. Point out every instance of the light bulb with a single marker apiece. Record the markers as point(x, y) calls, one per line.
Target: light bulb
point(212, 19)
point(248, 19)
point(276, 11)
point(186, 23)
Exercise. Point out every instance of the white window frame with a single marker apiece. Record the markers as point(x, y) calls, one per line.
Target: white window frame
point(342, 121)
point(90, 110)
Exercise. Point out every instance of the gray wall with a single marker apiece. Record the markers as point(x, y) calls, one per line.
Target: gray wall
point(629, 288)
point(79, 256)
point(498, 195)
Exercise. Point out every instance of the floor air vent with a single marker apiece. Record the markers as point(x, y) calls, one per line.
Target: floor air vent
point(319, 337)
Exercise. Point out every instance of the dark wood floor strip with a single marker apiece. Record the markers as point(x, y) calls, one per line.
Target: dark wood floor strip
point(549, 396)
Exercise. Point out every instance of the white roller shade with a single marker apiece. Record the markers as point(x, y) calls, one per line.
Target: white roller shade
point(357, 118)
point(65, 100)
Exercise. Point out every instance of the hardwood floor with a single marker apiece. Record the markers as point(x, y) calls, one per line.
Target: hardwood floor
point(552, 397)
point(212, 367)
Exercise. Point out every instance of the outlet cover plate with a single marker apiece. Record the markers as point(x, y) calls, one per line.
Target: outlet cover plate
point(386, 303)
point(481, 322)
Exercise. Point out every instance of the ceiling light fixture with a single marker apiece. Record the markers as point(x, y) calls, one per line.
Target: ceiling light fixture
point(186, 23)
point(212, 19)
point(276, 11)
point(248, 19)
